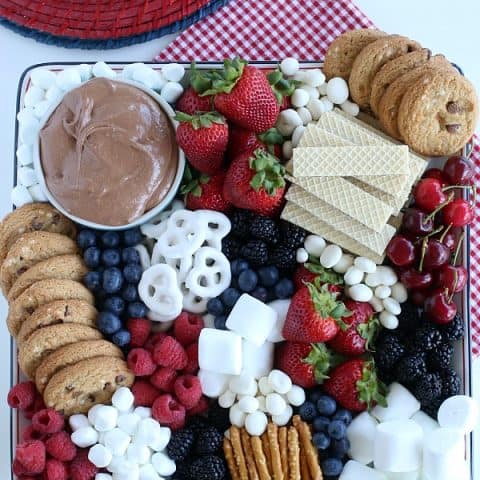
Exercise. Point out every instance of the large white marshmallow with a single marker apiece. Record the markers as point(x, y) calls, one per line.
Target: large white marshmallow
point(213, 384)
point(252, 319)
point(357, 471)
point(281, 307)
point(361, 435)
point(398, 446)
point(426, 422)
point(401, 405)
point(459, 412)
point(220, 351)
point(415, 475)
point(257, 360)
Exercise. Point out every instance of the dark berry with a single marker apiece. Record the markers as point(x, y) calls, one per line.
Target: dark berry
point(455, 330)
point(132, 272)
point(308, 411)
point(388, 350)
point(111, 257)
point(86, 238)
point(110, 239)
point(93, 280)
point(215, 306)
point(320, 424)
point(219, 417)
point(130, 255)
point(432, 408)
point(180, 444)
point(264, 228)
point(343, 415)
point(231, 248)
point(428, 388)
point(238, 266)
point(284, 257)
point(132, 237)
point(121, 338)
point(220, 321)
point(129, 293)
point(112, 280)
point(247, 280)
point(268, 276)
point(409, 318)
point(427, 337)
point(260, 293)
point(255, 252)
point(137, 310)
point(91, 257)
point(284, 288)
point(441, 357)
point(314, 395)
point(337, 429)
point(240, 221)
point(339, 448)
point(321, 440)
point(230, 296)
point(331, 467)
point(208, 440)
point(108, 322)
point(326, 405)
point(411, 367)
point(197, 424)
point(292, 235)
point(114, 304)
point(209, 467)
point(451, 383)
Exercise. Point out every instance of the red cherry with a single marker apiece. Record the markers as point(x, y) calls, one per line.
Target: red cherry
point(401, 251)
point(451, 277)
point(439, 308)
point(438, 174)
point(418, 296)
point(459, 171)
point(436, 254)
point(413, 279)
point(458, 213)
point(417, 222)
point(450, 239)
point(428, 194)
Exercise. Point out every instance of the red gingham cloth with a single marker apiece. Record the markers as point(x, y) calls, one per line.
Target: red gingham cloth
point(273, 30)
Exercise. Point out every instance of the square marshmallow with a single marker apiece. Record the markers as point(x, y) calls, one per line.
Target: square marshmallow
point(401, 405)
point(252, 319)
point(257, 361)
point(220, 351)
point(356, 471)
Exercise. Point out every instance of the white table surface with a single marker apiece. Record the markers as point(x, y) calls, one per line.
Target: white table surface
point(445, 26)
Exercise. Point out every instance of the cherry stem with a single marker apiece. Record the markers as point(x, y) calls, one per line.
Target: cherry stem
point(432, 214)
point(424, 251)
point(457, 250)
point(454, 287)
point(452, 187)
point(449, 226)
point(434, 232)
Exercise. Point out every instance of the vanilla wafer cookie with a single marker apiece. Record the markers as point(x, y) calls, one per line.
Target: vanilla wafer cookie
point(301, 217)
point(283, 444)
point(230, 459)
point(309, 450)
point(238, 452)
point(395, 202)
point(249, 457)
point(293, 454)
point(260, 458)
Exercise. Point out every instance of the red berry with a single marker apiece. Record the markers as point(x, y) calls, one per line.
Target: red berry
point(438, 174)
point(187, 328)
point(451, 277)
point(81, 468)
point(55, 470)
point(31, 456)
point(439, 308)
point(191, 102)
point(22, 395)
point(144, 393)
point(153, 339)
point(413, 279)
point(201, 407)
point(168, 352)
point(140, 362)
point(436, 254)
point(168, 411)
point(458, 213)
point(30, 434)
point(139, 329)
point(17, 468)
point(37, 405)
point(192, 354)
point(188, 390)
point(428, 194)
point(61, 447)
point(450, 239)
point(417, 222)
point(459, 171)
point(163, 378)
point(401, 251)
point(48, 420)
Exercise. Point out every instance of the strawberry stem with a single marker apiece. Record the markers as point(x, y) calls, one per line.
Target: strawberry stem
point(200, 120)
point(370, 389)
point(320, 358)
point(269, 170)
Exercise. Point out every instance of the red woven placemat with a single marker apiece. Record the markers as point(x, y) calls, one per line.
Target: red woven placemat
point(266, 30)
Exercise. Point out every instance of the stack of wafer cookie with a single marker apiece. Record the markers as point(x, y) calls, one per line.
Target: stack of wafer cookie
point(52, 315)
point(349, 182)
point(281, 453)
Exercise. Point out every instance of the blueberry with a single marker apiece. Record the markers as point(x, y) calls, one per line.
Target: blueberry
point(260, 293)
point(268, 276)
point(247, 280)
point(111, 257)
point(238, 266)
point(129, 293)
point(307, 411)
point(326, 405)
point(315, 395)
point(220, 321)
point(86, 238)
point(132, 272)
point(343, 415)
point(108, 322)
point(112, 280)
point(331, 467)
point(321, 441)
point(339, 448)
point(132, 237)
point(230, 296)
point(114, 304)
point(130, 255)
point(93, 280)
point(284, 288)
point(110, 239)
point(321, 423)
point(121, 338)
point(91, 256)
point(337, 429)
point(215, 306)
point(137, 310)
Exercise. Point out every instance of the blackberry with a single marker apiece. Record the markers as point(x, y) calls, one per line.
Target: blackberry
point(231, 248)
point(255, 252)
point(196, 424)
point(428, 388)
point(432, 408)
point(240, 220)
point(455, 330)
point(219, 417)
point(292, 235)
point(284, 257)
point(450, 383)
point(441, 357)
point(264, 228)
point(183, 471)
point(208, 441)
point(426, 338)
point(386, 376)
point(410, 368)
point(180, 444)
point(209, 467)
point(409, 318)
point(389, 350)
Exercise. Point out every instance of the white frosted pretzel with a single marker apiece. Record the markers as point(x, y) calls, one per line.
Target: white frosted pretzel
point(210, 274)
point(218, 227)
point(144, 256)
point(157, 255)
point(182, 266)
point(158, 224)
point(159, 291)
point(193, 303)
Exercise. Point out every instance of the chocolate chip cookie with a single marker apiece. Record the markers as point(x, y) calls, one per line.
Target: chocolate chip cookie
point(76, 388)
point(343, 50)
point(438, 114)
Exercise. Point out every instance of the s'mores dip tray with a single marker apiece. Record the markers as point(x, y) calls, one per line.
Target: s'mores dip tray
point(243, 271)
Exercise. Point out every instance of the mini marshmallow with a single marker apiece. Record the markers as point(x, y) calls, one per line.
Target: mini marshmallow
point(33, 96)
point(305, 115)
point(373, 279)
point(459, 412)
point(401, 404)
point(262, 403)
point(360, 293)
point(388, 320)
point(248, 404)
point(171, 92)
point(158, 81)
point(148, 472)
point(297, 135)
point(392, 306)
point(387, 275)
point(315, 245)
point(264, 386)
point(42, 78)
point(275, 404)
point(160, 441)
point(300, 98)
point(209, 320)
point(99, 455)
point(330, 256)
point(284, 417)
point(376, 304)
point(117, 441)
point(127, 471)
point(316, 108)
point(20, 196)
point(287, 149)
point(148, 431)
point(122, 399)
point(101, 69)
point(145, 75)
point(350, 107)
point(281, 307)
point(105, 418)
point(103, 476)
point(24, 155)
point(353, 276)
point(138, 453)
point(257, 360)
point(173, 72)
point(37, 193)
point(25, 114)
point(314, 77)
point(251, 319)
point(53, 93)
point(287, 121)
point(344, 263)
point(353, 470)
point(116, 464)
point(280, 381)
point(85, 71)
point(365, 265)
point(92, 413)
point(426, 422)
point(322, 89)
point(337, 90)
point(327, 104)
point(243, 385)
point(68, 79)
point(256, 423)
point(143, 412)
point(399, 292)
point(361, 433)
point(128, 422)
point(237, 417)
point(220, 351)
point(41, 108)
point(84, 437)
point(78, 421)
point(382, 292)
point(213, 384)
point(301, 255)
point(28, 130)
point(227, 399)
point(313, 92)
point(296, 396)
point(289, 66)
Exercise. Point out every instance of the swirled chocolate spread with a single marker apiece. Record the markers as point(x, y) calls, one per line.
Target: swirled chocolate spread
point(108, 152)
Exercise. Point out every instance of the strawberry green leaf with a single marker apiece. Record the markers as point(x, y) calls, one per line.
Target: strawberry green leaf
point(269, 170)
point(222, 81)
point(281, 86)
point(320, 358)
point(325, 302)
point(370, 389)
point(200, 120)
point(200, 81)
point(369, 331)
point(191, 182)
point(325, 275)
point(271, 137)
point(274, 77)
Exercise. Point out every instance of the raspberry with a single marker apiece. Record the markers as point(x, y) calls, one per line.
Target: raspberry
point(164, 378)
point(48, 420)
point(22, 395)
point(169, 353)
point(152, 340)
point(168, 412)
point(140, 362)
point(31, 456)
point(201, 407)
point(30, 434)
point(187, 328)
point(188, 390)
point(17, 468)
point(144, 393)
point(61, 447)
point(192, 355)
point(139, 329)
point(81, 468)
point(37, 405)
point(55, 470)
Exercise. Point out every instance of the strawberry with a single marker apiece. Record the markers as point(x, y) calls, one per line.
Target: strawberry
point(354, 385)
point(254, 181)
point(361, 328)
point(241, 140)
point(204, 139)
point(191, 102)
point(313, 314)
point(308, 272)
point(306, 364)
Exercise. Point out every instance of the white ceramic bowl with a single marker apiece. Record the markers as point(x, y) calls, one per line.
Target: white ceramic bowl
point(147, 215)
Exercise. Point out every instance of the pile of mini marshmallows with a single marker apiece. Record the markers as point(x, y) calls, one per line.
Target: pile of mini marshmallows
point(365, 281)
point(125, 440)
point(47, 88)
point(313, 97)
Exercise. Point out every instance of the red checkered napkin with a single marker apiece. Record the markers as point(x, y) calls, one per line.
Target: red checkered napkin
point(275, 29)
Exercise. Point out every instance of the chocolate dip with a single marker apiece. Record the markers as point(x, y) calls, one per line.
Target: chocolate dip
point(108, 152)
